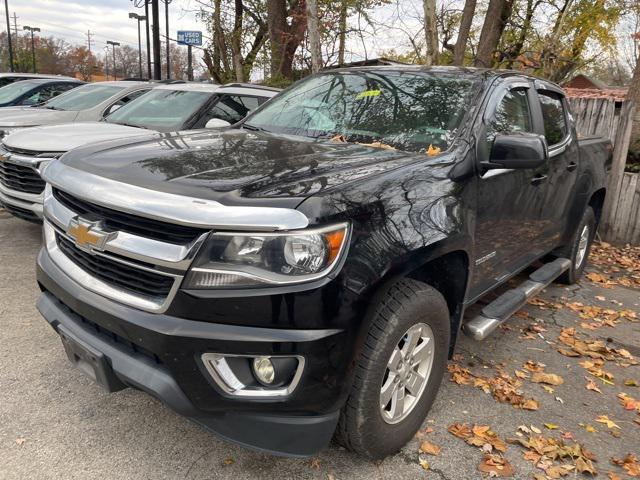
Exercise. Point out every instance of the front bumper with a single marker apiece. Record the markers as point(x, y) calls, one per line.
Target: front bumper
point(27, 206)
point(160, 354)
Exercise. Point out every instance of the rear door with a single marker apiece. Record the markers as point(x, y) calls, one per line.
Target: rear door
point(509, 202)
point(563, 163)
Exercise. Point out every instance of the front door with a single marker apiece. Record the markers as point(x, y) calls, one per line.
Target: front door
point(509, 202)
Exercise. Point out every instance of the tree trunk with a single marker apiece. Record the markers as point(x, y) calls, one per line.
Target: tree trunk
point(314, 35)
point(634, 95)
point(514, 52)
point(431, 32)
point(342, 35)
point(236, 42)
point(495, 20)
point(463, 34)
point(284, 38)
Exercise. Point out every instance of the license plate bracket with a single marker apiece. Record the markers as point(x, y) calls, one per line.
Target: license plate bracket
point(90, 361)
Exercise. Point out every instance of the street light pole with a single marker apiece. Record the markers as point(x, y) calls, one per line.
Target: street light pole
point(146, 15)
point(6, 9)
point(166, 24)
point(139, 18)
point(155, 25)
point(33, 47)
point(114, 45)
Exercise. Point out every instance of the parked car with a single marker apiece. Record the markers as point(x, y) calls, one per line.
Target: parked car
point(9, 77)
point(307, 272)
point(90, 102)
point(34, 92)
point(166, 108)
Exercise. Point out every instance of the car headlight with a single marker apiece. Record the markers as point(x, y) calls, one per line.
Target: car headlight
point(232, 260)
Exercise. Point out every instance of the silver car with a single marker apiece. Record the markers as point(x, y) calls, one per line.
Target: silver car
point(87, 103)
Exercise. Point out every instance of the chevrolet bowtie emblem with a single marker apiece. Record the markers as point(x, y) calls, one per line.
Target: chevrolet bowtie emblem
point(88, 235)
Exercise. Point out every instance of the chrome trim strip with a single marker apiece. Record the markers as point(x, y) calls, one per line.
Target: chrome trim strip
point(85, 280)
point(560, 147)
point(168, 207)
point(495, 172)
point(29, 197)
point(22, 160)
point(36, 208)
point(148, 250)
point(217, 366)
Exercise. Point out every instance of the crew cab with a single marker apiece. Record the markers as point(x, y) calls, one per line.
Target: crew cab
point(166, 108)
point(304, 274)
point(90, 102)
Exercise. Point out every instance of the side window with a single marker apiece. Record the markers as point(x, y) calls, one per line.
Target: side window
point(124, 100)
point(232, 108)
point(40, 96)
point(553, 114)
point(512, 115)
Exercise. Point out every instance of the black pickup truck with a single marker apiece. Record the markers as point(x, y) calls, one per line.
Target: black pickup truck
point(304, 274)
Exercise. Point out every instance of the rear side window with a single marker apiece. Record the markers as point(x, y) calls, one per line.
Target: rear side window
point(512, 115)
point(553, 114)
point(233, 108)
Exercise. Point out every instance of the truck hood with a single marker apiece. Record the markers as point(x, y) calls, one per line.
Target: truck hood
point(33, 116)
point(235, 167)
point(64, 137)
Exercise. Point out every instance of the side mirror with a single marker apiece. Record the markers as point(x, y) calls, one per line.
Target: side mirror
point(217, 123)
point(517, 151)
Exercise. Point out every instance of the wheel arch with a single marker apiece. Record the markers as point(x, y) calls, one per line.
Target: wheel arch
point(596, 201)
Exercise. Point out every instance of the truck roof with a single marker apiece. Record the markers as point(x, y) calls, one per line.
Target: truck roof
point(485, 73)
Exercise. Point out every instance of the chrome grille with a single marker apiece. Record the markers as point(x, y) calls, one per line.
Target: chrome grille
point(115, 220)
point(132, 279)
point(20, 178)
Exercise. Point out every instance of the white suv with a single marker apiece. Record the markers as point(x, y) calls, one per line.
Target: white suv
point(166, 108)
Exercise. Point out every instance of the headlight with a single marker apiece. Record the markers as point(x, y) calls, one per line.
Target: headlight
point(229, 260)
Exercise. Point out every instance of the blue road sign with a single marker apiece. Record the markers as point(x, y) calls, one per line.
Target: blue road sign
point(189, 37)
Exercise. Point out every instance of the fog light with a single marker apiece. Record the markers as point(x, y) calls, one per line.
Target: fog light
point(263, 370)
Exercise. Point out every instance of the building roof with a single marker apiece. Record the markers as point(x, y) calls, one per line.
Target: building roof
point(617, 94)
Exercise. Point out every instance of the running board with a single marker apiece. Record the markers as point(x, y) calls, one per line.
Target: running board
point(497, 312)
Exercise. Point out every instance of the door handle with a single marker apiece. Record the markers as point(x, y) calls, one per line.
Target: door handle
point(538, 179)
point(572, 166)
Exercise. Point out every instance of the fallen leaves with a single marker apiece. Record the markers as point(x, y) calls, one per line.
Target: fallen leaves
point(555, 457)
point(600, 279)
point(599, 317)
point(20, 441)
point(430, 448)
point(604, 419)
point(595, 349)
point(503, 387)
point(496, 466)
point(548, 378)
point(629, 463)
point(621, 263)
point(591, 385)
point(629, 403)
point(478, 436)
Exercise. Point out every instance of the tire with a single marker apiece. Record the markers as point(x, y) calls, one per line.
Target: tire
point(573, 252)
point(362, 427)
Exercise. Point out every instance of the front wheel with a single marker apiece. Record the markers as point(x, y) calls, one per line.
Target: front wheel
point(398, 372)
point(580, 247)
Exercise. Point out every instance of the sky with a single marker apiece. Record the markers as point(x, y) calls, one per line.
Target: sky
point(106, 19)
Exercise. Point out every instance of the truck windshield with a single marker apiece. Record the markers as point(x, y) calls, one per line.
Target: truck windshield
point(405, 110)
point(12, 91)
point(82, 98)
point(160, 109)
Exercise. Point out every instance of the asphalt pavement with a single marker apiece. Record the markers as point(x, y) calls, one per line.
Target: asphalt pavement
point(55, 423)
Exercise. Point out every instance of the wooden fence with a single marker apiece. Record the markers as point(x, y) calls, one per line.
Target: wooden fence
point(620, 222)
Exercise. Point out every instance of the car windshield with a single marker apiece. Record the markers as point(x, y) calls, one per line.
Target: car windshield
point(12, 91)
point(82, 98)
point(404, 110)
point(160, 109)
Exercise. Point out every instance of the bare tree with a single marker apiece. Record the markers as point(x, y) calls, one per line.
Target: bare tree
point(431, 32)
point(463, 33)
point(287, 24)
point(495, 20)
point(314, 35)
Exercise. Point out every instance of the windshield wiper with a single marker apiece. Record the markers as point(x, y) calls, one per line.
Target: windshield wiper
point(132, 125)
point(51, 107)
point(253, 128)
